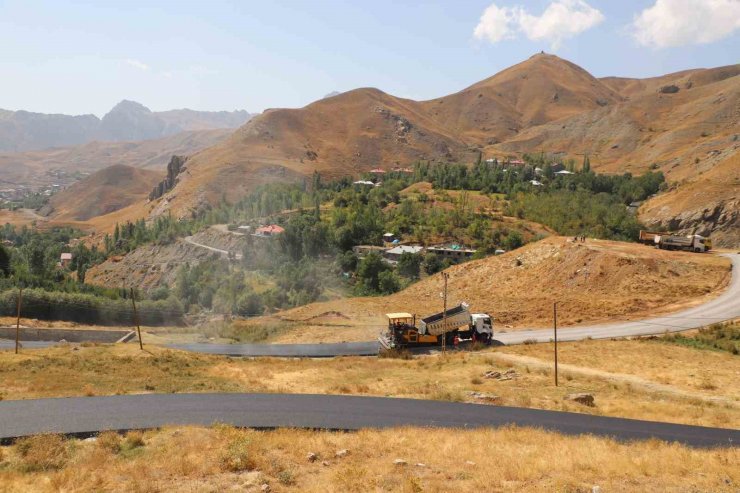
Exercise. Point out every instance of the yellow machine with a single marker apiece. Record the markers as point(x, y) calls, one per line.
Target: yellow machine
point(402, 330)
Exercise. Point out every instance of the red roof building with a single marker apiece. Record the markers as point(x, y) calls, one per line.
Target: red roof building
point(269, 230)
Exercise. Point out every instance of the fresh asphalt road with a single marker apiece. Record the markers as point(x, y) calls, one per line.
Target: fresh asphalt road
point(82, 416)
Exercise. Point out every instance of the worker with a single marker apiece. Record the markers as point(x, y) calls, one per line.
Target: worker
point(456, 341)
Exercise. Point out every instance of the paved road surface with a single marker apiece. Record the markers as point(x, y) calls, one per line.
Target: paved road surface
point(189, 239)
point(284, 350)
point(87, 415)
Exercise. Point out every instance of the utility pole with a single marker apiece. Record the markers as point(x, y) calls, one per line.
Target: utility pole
point(136, 319)
point(445, 275)
point(18, 320)
point(555, 327)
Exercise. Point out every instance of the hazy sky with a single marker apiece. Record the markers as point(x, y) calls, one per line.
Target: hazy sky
point(83, 57)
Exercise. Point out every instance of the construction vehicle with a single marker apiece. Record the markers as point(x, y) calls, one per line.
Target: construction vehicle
point(691, 243)
point(648, 237)
point(668, 241)
point(446, 327)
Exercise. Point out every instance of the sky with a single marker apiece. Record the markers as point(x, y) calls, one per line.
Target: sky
point(78, 57)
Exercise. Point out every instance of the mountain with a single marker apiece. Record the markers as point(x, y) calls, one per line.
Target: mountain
point(63, 166)
point(343, 135)
point(539, 90)
point(103, 192)
point(684, 124)
point(22, 131)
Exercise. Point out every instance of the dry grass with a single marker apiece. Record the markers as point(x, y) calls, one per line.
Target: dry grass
point(628, 378)
point(196, 459)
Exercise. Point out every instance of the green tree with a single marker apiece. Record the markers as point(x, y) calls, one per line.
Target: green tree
point(4, 261)
point(369, 270)
point(409, 265)
point(388, 282)
point(432, 264)
point(586, 164)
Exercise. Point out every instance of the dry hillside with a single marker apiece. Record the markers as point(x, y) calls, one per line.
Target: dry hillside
point(101, 193)
point(150, 266)
point(708, 203)
point(539, 90)
point(338, 136)
point(596, 281)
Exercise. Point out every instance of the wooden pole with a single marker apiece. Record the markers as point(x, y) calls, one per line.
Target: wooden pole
point(18, 320)
point(555, 327)
point(136, 319)
point(445, 275)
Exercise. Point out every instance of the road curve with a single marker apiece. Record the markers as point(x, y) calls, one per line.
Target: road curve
point(88, 415)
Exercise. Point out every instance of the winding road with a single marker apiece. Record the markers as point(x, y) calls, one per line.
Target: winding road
point(82, 416)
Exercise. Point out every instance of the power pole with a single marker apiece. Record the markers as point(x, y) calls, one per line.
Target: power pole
point(445, 275)
point(136, 319)
point(555, 327)
point(18, 320)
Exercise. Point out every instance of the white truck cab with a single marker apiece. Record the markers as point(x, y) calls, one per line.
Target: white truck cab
point(482, 323)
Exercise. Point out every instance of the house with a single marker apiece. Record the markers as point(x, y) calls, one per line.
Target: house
point(394, 254)
point(269, 230)
point(563, 172)
point(363, 250)
point(364, 182)
point(389, 238)
point(517, 162)
point(65, 259)
point(455, 253)
point(535, 183)
point(557, 167)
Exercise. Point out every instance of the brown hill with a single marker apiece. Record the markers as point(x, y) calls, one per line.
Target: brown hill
point(101, 193)
point(539, 90)
point(679, 123)
point(342, 135)
point(596, 281)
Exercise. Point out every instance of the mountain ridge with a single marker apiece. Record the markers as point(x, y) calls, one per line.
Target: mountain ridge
point(22, 131)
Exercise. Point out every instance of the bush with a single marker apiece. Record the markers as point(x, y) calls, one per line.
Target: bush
point(388, 282)
point(110, 441)
point(409, 265)
point(43, 452)
point(238, 456)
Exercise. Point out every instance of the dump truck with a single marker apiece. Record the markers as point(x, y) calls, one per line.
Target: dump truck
point(446, 327)
point(648, 237)
point(691, 243)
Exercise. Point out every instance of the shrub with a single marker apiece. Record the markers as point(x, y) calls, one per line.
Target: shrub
point(110, 441)
point(43, 452)
point(238, 456)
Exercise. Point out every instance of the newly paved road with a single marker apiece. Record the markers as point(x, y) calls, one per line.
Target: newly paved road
point(88, 415)
point(284, 350)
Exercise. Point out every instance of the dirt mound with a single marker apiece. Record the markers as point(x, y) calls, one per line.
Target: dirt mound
point(595, 281)
point(101, 193)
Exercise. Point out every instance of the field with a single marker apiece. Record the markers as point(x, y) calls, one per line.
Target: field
point(220, 458)
point(637, 379)
point(647, 378)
